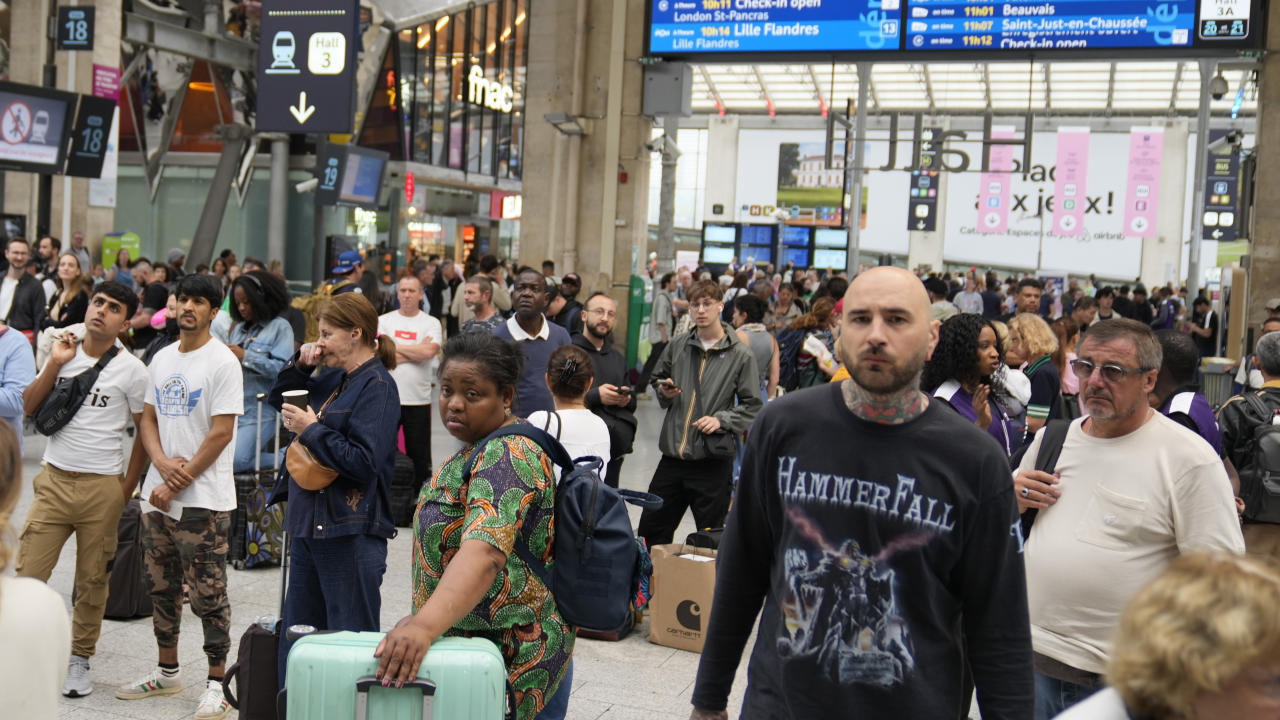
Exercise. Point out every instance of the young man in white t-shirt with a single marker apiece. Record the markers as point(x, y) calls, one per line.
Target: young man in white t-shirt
point(188, 429)
point(418, 338)
point(83, 486)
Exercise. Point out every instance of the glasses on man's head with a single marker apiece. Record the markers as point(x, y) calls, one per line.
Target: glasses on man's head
point(704, 304)
point(1111, 372)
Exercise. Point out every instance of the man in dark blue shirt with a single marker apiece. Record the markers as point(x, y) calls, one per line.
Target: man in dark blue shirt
point(1176, 394)
point(537, 336)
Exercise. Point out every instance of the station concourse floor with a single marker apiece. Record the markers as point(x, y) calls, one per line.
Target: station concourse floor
point(628, 680)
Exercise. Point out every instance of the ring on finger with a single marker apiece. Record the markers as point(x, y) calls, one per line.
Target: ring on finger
point(1026, 492)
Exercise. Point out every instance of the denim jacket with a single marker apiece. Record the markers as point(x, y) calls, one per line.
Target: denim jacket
point(356, 435)
point(266, 350)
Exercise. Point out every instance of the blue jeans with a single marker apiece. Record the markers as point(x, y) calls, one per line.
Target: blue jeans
point(247, 438)
point(1055, 696)
point(558, 705)
point(334, 584)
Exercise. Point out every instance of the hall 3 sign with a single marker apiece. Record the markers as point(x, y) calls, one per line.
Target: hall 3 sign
point(489, 93)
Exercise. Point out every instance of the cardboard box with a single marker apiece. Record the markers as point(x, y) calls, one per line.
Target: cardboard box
point(683, 587)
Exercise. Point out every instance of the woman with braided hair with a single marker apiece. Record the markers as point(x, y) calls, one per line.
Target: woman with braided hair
point(961, 373)
point(580, 431)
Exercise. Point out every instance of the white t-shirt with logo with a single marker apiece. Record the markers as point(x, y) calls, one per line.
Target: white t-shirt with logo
point(188, 390)
point(93, 441)
point(415, 381)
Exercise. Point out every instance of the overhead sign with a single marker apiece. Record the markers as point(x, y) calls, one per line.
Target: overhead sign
point(922, 215)
point(1142, 196)
point(1221, 192)
point(90, 137)
point(758, 29)
point(349, 175)
point(306, 66)
point(32, 125)
point(75, 28)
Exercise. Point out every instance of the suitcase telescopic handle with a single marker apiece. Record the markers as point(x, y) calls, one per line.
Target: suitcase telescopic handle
point(363, 684)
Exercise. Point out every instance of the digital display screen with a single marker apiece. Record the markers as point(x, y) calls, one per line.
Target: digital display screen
point(362, 177)
point(824, 259)
point(701, 27)
point(795, 236)
point(760, 254)
point(757, 235)
point(798, 257)
point(31, 128)
point(757, 28)
point(719, 234)
point(831, 238)
point(717, 254)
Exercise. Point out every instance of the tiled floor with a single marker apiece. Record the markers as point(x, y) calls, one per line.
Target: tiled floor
point(628, 680)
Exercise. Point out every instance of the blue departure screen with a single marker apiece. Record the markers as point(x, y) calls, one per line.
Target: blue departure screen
point(796, 236)
point(1049, 24)
point(757, 234)
point(692, 27)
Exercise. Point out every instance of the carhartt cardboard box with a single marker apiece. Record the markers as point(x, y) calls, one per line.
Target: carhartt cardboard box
point(684, 581)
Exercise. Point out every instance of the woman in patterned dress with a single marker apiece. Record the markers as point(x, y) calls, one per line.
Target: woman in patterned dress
point(468, 579)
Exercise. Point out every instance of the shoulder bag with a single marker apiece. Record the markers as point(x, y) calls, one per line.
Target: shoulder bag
point(306, 471)
point(66, 397)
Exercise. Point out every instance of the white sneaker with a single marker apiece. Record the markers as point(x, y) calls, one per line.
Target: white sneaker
point(213, 704)
point(78, 683)
point(154, 684)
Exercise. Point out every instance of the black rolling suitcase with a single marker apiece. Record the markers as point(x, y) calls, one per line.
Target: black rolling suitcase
point(128, 595)
point(257, 529)
point(254, 670)
point(404, 491)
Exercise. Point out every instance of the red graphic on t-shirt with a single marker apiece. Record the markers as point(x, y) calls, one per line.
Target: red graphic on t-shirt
point(406, 335)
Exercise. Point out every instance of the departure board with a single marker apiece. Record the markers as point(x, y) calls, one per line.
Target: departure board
point(761, 30)
point(753, 26)
point(1049, 24)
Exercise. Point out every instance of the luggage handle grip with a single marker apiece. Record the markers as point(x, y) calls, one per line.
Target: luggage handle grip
point(363, 684)
point(232, 673)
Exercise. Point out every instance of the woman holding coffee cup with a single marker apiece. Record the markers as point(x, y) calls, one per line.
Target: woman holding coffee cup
point(337, 475)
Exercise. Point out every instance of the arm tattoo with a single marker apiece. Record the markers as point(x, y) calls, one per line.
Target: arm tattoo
point(893, 409)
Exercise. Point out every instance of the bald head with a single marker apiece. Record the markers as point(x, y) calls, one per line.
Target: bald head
point(889, 286)
point(887, 332)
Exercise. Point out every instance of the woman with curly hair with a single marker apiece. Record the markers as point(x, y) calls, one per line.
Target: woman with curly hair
point(961, 373)
point(819, 322)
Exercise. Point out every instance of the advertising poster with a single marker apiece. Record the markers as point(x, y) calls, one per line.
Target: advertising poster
point(1071, 182)
point(1146, 154)
point(993, 202)
point(811, 192)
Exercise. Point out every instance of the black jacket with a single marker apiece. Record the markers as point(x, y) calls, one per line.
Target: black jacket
point(28, 309)
point(610, 368)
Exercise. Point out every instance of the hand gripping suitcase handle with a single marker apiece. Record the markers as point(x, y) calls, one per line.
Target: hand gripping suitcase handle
point(363, 684)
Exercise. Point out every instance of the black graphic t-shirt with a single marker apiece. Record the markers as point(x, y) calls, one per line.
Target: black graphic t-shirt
point(882, 555)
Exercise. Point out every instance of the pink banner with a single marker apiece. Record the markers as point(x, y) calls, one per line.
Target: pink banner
point(106, 82)
point(1069, 181)
point(993, 193)
point(1146, 154)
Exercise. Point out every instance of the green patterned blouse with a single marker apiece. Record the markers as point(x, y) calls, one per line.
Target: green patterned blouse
point(509, 499)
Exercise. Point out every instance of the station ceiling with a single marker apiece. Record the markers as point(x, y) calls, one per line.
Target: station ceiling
point(1045, 88)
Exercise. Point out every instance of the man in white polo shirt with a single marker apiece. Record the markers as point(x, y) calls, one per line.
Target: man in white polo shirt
point(1132, 490)
point(418, 338)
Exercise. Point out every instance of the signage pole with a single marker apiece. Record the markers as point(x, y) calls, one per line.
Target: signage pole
point(856, 173)
point(667, 195)
point(278, 207)
point(1208, 68)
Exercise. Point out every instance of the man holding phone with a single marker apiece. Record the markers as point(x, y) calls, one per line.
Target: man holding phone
point(708, 383)
point(610, 395)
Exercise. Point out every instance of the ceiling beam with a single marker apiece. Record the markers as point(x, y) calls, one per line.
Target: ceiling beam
point(764, 89)
point(986, 84)
point(711, 85)
point(1048, 95)
point(1111, 89)
point(1173, 93)
point(817, 89)
point(928, 87)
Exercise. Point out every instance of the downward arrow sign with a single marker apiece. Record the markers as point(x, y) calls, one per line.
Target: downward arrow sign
point(920, 225)
point(302, 110)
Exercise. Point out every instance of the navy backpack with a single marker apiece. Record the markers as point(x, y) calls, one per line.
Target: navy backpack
point(597, 558)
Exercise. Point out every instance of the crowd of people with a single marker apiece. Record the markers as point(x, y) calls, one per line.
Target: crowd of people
point(926, 486)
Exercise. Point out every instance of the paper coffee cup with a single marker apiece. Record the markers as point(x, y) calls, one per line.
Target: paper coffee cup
point(296, 398)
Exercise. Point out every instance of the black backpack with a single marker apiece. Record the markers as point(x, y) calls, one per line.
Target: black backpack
point(790, 343)
point(1260, 479)
point(597, 556)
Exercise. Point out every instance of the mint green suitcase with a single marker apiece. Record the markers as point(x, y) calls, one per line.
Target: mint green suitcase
point(330, 676)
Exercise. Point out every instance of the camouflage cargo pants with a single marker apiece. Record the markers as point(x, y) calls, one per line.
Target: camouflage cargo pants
point(191, 550)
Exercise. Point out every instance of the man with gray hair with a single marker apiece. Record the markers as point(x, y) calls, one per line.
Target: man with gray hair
point(1239, 418)
point(1131, 491)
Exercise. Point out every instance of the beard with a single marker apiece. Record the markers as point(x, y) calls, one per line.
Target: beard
point(1109, 412)
point(892, 377)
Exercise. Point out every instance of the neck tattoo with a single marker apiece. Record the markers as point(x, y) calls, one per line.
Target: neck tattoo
point(892, 409)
